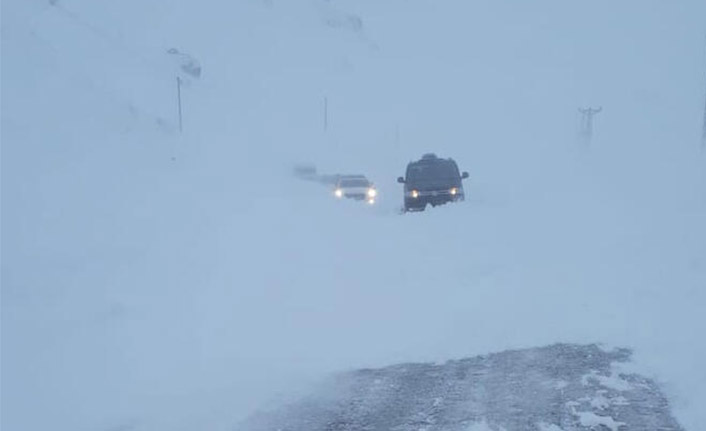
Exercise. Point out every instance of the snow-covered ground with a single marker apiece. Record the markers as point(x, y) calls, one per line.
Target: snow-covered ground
point(158, 281)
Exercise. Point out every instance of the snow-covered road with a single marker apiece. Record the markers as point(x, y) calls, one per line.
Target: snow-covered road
point(155, 281)
point(560, 387)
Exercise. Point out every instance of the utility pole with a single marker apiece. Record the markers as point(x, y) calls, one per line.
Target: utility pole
point(325, 114)
point(703, 133)
point(179, 103)
point(586, 131)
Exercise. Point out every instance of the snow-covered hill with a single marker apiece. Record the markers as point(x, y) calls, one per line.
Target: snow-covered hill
point(153, 280)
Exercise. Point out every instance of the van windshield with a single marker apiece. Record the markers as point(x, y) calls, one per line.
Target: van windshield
point(437, 171)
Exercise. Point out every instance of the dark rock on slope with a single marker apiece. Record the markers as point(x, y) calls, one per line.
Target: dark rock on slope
point(556, 388)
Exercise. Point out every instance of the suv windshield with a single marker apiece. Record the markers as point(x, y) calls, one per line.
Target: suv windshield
point(441, 170)
point(355, 183)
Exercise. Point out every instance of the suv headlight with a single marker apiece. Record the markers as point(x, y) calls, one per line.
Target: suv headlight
point(338, 193)
point(372, 192)
point(453, 191)
point(415, 194)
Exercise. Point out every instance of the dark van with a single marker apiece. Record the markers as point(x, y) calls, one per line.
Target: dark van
point(432, 180)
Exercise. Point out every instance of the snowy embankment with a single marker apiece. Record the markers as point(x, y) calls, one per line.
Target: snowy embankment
point(155, 281)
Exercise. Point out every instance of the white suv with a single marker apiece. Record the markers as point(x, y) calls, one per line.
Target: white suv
point(355, 187)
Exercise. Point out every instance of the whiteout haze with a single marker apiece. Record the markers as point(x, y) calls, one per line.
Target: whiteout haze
point(153, 280)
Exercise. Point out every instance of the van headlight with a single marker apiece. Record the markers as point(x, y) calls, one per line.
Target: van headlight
point(338, 193)
point(415, 194)
point(372, 192)
point(453, 191)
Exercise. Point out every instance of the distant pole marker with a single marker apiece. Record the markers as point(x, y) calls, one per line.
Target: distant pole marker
point(703, 132)
point(179, 103)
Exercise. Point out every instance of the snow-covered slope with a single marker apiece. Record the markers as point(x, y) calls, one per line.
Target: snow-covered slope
point(155, 280)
